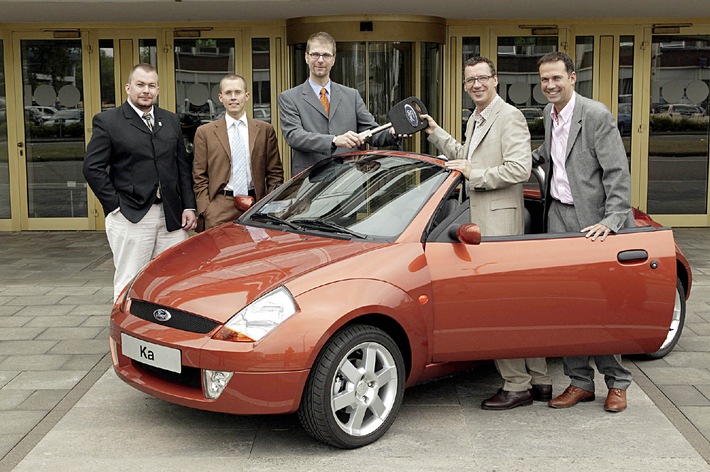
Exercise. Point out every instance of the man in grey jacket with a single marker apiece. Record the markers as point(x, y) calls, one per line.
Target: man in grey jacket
point(588, 190)
point(320, 118)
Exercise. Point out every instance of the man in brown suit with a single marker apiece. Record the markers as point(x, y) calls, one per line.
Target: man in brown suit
point(234, 155)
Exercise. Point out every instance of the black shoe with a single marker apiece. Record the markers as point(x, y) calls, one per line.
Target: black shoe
point(505, 400)
point(541, 393)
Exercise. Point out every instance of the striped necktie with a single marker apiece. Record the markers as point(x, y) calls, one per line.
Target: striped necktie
point(148, 121)
point(240, 185)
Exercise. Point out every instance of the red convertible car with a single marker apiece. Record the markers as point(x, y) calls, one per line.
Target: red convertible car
point(362, 276)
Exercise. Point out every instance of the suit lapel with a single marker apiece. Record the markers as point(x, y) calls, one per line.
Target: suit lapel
point(576, 125)
point(130, 114)
point(254, 130)
point(313, 101)
point(222, 135)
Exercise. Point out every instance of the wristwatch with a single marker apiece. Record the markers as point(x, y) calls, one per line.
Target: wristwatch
point(333, 147)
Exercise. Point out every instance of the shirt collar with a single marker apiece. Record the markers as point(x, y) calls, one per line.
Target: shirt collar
point(231, 120)
point(141, 112)
point(483, 116)
point(566, 114)
point(316, 88)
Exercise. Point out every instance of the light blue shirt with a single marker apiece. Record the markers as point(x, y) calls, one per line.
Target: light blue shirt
point(316, 88)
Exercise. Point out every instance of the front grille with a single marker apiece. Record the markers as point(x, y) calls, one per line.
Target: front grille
point(189, 377)
point(179, 319)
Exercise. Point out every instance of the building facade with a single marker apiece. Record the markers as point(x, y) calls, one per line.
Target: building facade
point(653, 74)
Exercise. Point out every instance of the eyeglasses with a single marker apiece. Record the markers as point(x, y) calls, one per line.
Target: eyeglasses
point(315, 56)
point(482, 79)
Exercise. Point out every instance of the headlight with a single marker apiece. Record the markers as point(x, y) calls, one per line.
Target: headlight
point(258, 318)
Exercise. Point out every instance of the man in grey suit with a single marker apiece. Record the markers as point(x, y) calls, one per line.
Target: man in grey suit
point(496, 162)
point(589, 191)
point(320, 118)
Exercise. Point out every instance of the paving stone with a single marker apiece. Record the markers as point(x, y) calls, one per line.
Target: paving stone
point(25, 347)
point(9, 441)
point(10, 399)
point(43, 400)
point(84, 362)
point(34, 362)
point(60, 380)
point(685, 395)
point(101, 321)
point(102, 309)
point(695, 343)
point(20, 422)
point(9, 310)
point(14, 321)
point(89, 346)
point(45, 310)
point(6, 376)
point(35, 300)
point(69, 333)
point(64, 321)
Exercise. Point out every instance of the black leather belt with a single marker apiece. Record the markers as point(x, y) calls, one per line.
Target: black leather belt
point(229, 193)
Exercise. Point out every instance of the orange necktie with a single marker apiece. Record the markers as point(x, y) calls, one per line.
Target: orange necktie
point(324, 100)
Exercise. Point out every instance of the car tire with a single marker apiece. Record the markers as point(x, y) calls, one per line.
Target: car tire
point(676, 327)
point(355, 388)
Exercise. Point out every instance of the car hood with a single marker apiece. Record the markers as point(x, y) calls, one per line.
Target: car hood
point(217, 273)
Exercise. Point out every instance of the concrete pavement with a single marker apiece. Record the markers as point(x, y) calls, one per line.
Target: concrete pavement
point(62, 408)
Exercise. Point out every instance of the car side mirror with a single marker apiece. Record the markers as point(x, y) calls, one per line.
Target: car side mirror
point(469, 233)
point(243, 202)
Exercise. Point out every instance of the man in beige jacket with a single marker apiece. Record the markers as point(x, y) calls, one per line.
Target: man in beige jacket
point(496, 161)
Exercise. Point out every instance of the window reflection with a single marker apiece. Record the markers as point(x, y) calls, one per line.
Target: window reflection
point(626, 92)
point(199, 66)
point(431, 71)
point(678, 138)
point(471, 48)
point(4, 169)
point(519, 78)
point(106, 70)
point(261, 79)
point(54, 128)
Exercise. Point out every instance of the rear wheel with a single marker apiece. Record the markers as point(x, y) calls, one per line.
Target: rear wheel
point(676, 326)
point(355, 388)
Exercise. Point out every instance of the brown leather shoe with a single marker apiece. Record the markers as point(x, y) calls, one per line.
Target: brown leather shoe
point(615, 400)
point(541, 393)
point(505, 400)
point(570, 397)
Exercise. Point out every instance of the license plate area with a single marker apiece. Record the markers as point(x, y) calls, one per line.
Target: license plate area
point(162, 357)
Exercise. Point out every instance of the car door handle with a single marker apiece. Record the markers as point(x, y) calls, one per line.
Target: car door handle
point(632, 255)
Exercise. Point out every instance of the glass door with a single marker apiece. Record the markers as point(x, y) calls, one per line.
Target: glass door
point(51, 132)
point(679, 130)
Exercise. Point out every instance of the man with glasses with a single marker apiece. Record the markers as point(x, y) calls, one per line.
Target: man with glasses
point(496, 161)
point(320, 118)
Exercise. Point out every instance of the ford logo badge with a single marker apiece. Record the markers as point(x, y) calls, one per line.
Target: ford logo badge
point(411, 115)
point(162, 315)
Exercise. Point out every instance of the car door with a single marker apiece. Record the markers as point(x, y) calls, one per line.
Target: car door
point(552, 295)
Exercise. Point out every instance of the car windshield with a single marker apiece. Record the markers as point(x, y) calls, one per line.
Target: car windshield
point(364, 196)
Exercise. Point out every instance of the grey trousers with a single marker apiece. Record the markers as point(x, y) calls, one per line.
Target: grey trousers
point(563, 218)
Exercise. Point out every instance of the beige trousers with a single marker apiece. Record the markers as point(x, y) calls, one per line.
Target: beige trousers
point(520, 374)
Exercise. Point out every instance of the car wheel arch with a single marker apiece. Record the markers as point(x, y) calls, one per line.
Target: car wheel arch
point(405, 330)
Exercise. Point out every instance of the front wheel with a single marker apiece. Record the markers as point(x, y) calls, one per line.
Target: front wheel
point(355, 388)
point(676, 326)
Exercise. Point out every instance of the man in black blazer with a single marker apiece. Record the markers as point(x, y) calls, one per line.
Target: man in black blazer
point(137, 167)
